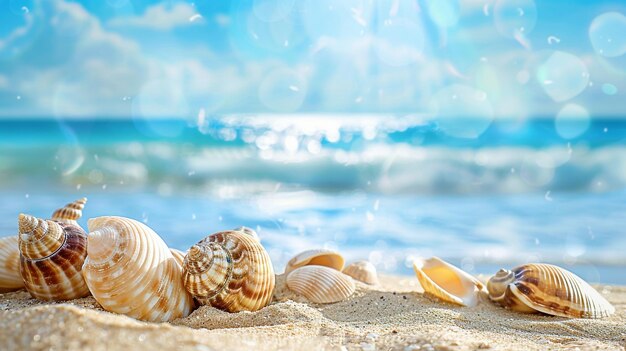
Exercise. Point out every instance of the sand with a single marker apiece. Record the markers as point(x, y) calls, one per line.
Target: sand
point(392, 316)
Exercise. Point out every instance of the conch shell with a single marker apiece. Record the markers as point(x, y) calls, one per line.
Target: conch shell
point(71, 212)
point(317, 257)
point(320, 284)
point(130, 270)
point(539, 287)
point(51, 257)
point(363, 271)
point(447, 282)
point(10, 278)
point(231, 271)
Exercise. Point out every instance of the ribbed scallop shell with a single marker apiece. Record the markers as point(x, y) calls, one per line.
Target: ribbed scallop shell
point(320, 284)
point(231, 271)
point(71, 212)
point(318, 257)
point(551, 290)
point(130, 270)
point(51, 257)
point(10, 278)
point(363, 271)
point(447, 282)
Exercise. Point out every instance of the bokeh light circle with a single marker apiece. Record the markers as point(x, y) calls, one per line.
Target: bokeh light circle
point(283, 90)
point(400, 42)
point(609, 89)
point(462, 111)
point(272, 10)
point(563, 76)
point(445, 13)
point(607, 34)
point(515, 17)
point(572, 121)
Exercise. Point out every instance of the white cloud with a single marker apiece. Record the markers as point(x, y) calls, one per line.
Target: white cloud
point(161, 17)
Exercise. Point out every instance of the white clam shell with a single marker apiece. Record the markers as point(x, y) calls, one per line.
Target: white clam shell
point(130, 270)
point(363, 271)
point(10, 278)
point(447, 282)
point(320, 284)
point(318, 257)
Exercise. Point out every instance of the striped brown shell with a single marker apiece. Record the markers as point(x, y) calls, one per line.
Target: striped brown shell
point(71, 212)
point(51, 258)
point(131, 271)
point(10, 278)
point(320, 284)
point(231, 271)
point(548, 289)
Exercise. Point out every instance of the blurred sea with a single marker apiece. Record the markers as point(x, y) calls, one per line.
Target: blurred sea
point(379, 187)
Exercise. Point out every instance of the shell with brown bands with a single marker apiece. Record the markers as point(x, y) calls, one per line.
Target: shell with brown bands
point(231, 271)
point(130, 270)
point(549, 289)
point(51, 257)
point(10, 278)
point(71, 212)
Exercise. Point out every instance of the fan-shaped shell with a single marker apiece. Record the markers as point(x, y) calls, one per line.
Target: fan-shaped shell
point(447, 282)
point(51, 257)
point(363, 271)
point(130, 270)
point(320, 284)
point(318, 257)
point(71, 212)
point(231, 271)
point(548, 289)
point(10, 278)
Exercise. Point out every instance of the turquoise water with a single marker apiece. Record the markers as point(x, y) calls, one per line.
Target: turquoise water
point(376, 187)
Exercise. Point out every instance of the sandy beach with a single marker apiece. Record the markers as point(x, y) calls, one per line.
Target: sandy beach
point(392, 316)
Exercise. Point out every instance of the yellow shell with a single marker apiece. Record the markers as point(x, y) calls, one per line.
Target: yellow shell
point(51, 257)
point(539, 287)
point(71, 212)
point(447, 282)
point(231, 271)
point(130, 270)
point(10, 278)
point(363, 271)
point(320, 284)
point(318, 257)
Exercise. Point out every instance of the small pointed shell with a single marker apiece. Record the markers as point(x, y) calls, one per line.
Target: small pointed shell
point(548, 289)
point(363, 271)
point(320, 284)
point(10, 278)
point(447, 282)
point(318, 257)
point(51, 257)
point(130, 270)
point(230, 271)
point(71, 212)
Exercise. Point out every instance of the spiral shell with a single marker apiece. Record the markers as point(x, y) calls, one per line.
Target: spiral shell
point(363, 271)
point(10, 278)
point(320, 284)
point(317, 257)
point(539, 287)
point(130, 270)
point(231, 271)
point(51, 257)
point(71, 212)
point(447, 282)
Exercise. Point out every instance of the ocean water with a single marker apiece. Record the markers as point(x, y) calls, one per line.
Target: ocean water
point(379, 187)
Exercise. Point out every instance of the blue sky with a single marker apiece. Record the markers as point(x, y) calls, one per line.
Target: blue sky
point(123, 58)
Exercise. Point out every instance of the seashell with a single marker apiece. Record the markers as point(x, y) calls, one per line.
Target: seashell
point(363, 271)
point(130, 270)
point(51, 257)
point(318, 257)
point(10, 278)
point(248, 231)
point(71, 212)
point(179, 256)
point(447, 282)
point(231, 271)
point(320, 284)
point(539, 287)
